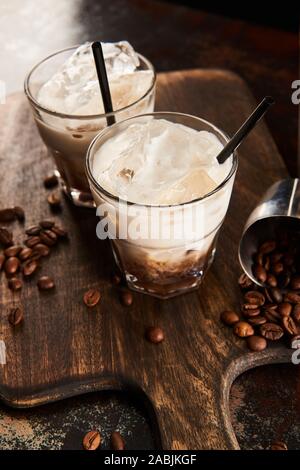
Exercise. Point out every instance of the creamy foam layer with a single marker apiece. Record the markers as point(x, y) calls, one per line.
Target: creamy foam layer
point(160, 162)
point(74, 88)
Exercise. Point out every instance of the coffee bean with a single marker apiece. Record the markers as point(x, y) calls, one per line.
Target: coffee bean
point(48, 237)
point(229, 317)
point(245, 281)
point(15, 316)
point(243, 329)
point(6, 237)
point(288, 259)
point(45, 283)
point(290, 326)
point(285, 309)
point(254, 297)
point(267, 263)
point(256, 321)
point(59, 231)
point(117, 441)
point(11, 265)
point(91, 440)
point(250, 313)
point(267, 247)
point(12, 250)
point(271, 280)
point(50, 181)
point(271, 331)
point(267, 295)
point(47, 224)
point(272, 316)
point(91, 297)
point(295, 342)
point(276, 295)
point(33, 230)
point(29, 267)
point(54, 200)
point(20, 214)
point(259, 258)
point(283, 280)
point(32, 241)
point(256, 343)
point(277, 268)
point(295, 282)
point(292, 297)
point(40, 250)
point(25, 254)
point(15, 284)
point(296, 313)
point(126, 298)
point(154, 334)
point(2, 260)
point(275, 257)
point(260, 273)
point(7, 215)
point(278, 445)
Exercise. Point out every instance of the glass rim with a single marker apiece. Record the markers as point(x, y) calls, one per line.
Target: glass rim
point(157, 113)
point(35, 103)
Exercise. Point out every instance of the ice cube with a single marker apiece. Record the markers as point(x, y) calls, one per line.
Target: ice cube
point(194, 185)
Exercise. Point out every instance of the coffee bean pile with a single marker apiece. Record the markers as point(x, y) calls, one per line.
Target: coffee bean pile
point(272, 312)
point(21, 261)
point(25, 259)
point(92, 441)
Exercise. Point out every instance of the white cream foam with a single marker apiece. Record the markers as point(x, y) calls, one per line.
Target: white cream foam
point(160, 162)
point(74, 88)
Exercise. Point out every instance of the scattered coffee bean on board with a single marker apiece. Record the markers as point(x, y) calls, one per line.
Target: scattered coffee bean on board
point(154, 334)
point(45, 283)
point(91, 297)
point(33, 230)
point(15, 316)
point(116, 441)
point(243, 329)
point(278, 445)
point(15, 284)
point(47, 224)
point(29, 267)
point(7, 215)
point(12, 265)
point(256, 343)
point(91, 440)
point(32, 241)
point(229, 317)
point(50, 181)
point(12, 250)
point(6, 237)
point(48, 237)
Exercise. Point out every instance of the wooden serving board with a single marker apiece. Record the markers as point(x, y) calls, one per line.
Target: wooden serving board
point(64, 349)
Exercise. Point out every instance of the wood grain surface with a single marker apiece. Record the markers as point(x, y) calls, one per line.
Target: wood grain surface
point(64, 349)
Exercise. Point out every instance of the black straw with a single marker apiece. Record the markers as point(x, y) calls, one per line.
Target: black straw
point(103, 81)
point(244, 130)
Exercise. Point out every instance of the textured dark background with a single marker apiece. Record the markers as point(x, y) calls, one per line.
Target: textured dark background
point(264, 402)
